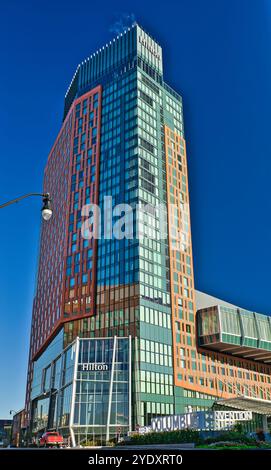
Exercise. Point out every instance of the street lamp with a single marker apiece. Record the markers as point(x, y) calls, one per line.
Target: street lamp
point(46, 210)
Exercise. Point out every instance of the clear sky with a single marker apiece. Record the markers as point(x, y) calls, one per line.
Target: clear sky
point(217, 55)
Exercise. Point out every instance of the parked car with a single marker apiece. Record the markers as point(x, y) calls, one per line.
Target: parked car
point(50, 439)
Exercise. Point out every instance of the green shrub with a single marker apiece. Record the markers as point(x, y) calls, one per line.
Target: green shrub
point(231, 436)
point(264, 445)
point(169, 437)
point(89, 443)
point(229, 447)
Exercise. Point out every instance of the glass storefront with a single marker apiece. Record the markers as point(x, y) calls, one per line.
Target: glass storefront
point(101, 408)
point(85, 393)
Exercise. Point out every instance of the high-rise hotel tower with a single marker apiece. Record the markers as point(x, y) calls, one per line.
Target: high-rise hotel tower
point(113, 336)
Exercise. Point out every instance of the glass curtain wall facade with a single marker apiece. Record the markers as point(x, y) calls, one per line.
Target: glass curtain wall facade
point(123, 137)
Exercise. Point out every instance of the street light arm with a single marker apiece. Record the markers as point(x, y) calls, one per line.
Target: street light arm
point(13, 201)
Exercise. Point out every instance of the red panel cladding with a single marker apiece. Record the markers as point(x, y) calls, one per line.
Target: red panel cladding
point(72, 179)
point(79, 300)
point(47, 306)
point(47, 303)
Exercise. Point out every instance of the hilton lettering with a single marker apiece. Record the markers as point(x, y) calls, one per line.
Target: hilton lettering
point(94, 367)
point(149, 47)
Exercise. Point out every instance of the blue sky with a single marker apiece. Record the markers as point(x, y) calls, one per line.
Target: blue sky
point(217, 55)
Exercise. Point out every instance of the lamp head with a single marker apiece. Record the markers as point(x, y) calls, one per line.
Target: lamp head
point(46, 210)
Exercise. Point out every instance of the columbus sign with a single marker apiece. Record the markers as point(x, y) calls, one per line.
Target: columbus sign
point(200, 420)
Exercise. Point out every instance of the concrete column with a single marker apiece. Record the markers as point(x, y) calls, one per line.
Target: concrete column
point(76, 354)
point(111, 388)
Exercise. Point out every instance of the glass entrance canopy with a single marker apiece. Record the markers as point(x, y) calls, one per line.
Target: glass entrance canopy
point(235, 331)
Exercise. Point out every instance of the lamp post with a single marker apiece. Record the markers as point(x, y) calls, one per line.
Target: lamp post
point(46, 210)
point(12, 412)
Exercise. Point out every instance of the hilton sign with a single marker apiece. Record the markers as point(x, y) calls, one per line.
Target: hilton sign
point(93, 366)
point(149, 47)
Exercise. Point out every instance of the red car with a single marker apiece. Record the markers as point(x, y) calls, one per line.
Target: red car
point(51, 439)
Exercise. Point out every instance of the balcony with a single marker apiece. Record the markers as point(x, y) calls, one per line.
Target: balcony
point(235, 331)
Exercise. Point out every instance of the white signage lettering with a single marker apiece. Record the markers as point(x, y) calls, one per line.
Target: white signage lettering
point(149, 47)
point(92, 366)
point(201, 420)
